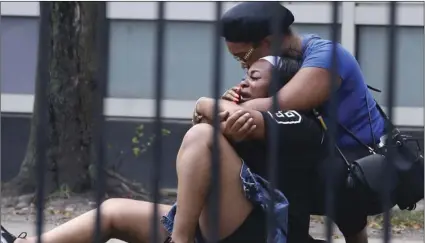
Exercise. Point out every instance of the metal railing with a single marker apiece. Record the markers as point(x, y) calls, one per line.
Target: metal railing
point(101, 78)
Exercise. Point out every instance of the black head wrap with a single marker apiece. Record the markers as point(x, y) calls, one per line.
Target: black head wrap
point(252, 21)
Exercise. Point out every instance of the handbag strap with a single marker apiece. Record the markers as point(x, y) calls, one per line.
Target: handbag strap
point(323, 124)
point(325, 128)
point(370, 149)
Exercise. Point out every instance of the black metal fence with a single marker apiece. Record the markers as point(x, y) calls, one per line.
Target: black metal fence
point(101, 76)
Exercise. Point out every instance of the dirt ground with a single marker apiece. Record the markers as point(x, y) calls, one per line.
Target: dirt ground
point(405, 225)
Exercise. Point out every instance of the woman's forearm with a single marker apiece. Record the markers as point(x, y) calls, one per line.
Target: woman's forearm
point(259, 104)
point(205, 107)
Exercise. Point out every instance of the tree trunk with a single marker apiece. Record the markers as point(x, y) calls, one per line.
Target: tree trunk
point(71, 93)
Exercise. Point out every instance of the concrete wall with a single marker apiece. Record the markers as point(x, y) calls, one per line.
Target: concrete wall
point(117, 135)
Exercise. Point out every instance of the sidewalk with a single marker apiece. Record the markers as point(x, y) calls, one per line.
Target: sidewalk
point(18, 227)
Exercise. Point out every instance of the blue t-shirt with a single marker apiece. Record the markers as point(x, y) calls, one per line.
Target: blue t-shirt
point(351, 96)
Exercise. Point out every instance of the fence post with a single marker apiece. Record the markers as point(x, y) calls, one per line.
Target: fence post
point(215, 151)
point(332, 124)
point(43, 79)
point(272, 136)
point(391, 74)
point(159, 85)
point(102, 59)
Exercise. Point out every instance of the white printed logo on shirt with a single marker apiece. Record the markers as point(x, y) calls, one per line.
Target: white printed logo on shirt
point(286, 117)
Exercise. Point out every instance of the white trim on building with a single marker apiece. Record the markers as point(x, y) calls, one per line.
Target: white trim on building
point(369, 13)
point(348, 27)
point(408, 14)
point(132, 10)
point(27, 9)
point(173, 109)
point(351, 13)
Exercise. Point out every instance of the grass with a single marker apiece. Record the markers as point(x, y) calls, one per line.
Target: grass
point(400, 220)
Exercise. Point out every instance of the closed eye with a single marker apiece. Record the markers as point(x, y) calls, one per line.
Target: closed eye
point(254, 78)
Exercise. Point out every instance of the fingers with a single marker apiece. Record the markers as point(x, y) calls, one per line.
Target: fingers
point(232, 94)
point(223, 115)
point(241, 121)
point(238, 125)
point(246, 129)
point(231, 120)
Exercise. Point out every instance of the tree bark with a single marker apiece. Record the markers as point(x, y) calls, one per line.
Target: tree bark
point(72, 86)
point(72, 66)
point(71, 91)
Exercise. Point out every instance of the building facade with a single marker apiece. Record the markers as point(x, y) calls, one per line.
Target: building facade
point(189, 37)
point(188, 68)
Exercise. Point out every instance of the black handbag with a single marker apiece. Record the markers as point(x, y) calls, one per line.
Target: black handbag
point(380, 183)
point(408, 161)
point(365, 177)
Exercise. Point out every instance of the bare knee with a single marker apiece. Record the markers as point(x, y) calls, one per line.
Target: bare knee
point(110, 212)
point(198, 135)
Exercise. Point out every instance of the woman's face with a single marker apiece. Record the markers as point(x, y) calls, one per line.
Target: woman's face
point(257, 81)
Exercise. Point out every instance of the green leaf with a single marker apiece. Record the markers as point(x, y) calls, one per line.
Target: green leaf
point(135, 140)
point(140, 128)
point(136, 151)
point(166, 132)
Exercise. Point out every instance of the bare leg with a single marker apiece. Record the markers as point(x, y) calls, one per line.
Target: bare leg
point(124, 219)
point(193, 173)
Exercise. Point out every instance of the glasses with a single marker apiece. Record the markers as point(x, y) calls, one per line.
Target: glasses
point(243, 60)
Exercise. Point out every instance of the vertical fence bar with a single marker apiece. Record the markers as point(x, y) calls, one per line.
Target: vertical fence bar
point(332, 127)
point(215, 152)
point(102, 59)
point(41, 108)
point(391, 74)
point(423, 113)
point(159, 84)
point(272, 136)
point(0, 113)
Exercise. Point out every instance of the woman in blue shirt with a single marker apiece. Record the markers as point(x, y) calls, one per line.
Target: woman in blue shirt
point(247, 31)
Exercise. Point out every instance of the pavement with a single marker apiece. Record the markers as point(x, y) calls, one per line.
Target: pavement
point(17, 227)
point(29, 227)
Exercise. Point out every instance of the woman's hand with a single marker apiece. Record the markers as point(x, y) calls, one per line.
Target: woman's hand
point(236, 122)
point(232, 94)
point(238, 125)
point(203, 112)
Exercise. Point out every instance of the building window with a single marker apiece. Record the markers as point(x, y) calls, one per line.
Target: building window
point(131, 59)
point(372, 56)
point(19, 45)
point(188, 60)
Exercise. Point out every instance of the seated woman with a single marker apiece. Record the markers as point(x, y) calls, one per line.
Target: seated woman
point(244, 194)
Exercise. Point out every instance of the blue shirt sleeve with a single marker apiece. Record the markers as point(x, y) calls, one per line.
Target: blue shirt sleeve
point(318, 55)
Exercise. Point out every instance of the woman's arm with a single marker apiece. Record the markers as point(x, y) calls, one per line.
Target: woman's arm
point(308, 89)
point(245, 123)
point(311, 85)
